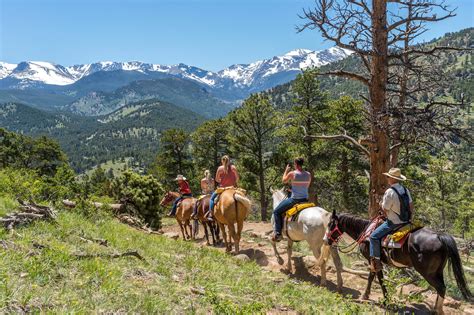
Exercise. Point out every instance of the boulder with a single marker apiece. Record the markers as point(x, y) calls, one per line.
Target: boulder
point(242, 257)
point(172, 235)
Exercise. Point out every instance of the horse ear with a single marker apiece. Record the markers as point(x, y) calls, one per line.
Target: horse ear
point(334, 215)
point(272, 190)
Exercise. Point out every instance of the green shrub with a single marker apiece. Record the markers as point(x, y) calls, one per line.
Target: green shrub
point(141, 194)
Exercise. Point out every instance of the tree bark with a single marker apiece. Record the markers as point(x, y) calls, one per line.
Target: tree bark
point(263, 199)
point(379, 150)
point(345, 180)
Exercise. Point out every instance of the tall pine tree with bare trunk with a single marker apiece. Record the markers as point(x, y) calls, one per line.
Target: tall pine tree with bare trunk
point(381, 33)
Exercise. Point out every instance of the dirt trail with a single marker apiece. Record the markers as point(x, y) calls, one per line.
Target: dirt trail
point(256, 245)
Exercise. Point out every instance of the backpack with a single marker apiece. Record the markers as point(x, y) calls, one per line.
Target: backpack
point(405, 213)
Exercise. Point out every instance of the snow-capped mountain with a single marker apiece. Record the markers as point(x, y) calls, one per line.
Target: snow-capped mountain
point(254, 76)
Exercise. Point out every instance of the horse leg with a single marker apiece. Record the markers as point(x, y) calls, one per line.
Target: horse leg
point(191, 236)
point(366, 294)
point(233, 236)
point(240, 226)
point(338, 264)
point(437, 281)
point(206, 233)
point(322, 262)
point(195, 228)
point(382, 285)
point(224, 236)
point(216, 231)
point(182, 229)
point(289, 252)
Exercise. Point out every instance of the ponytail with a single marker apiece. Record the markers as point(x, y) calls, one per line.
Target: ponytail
point(207, 174)
point(226, 163)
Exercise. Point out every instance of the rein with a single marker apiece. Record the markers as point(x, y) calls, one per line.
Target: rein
point(363, 235)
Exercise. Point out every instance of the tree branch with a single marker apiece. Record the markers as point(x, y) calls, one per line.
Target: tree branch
point(338, 137)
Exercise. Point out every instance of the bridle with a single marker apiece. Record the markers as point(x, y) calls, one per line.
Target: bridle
point(329, 234)
point(350, 246)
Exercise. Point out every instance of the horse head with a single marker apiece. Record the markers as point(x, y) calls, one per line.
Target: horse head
point(278, 196)
point(333, 233)
point(168, 197)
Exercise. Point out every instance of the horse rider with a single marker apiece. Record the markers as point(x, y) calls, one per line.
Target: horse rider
point(395, 199)
point(184, 190)
point(226, 176)
point(300, 181)
point(207, 187)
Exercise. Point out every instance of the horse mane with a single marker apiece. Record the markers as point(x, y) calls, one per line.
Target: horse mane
point(353, 222)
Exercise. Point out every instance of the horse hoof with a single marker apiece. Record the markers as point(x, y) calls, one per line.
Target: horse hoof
point(364, 297)
point(323, 283)
point(280, 261)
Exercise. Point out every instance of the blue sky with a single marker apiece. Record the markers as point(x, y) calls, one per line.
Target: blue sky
point(211, 34)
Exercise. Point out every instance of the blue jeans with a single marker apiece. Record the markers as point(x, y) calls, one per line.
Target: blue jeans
point(211, 202)
point(280, 210)
point(175, 204)
point(376, 237)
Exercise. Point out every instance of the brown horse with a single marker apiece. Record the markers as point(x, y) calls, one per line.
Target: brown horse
point(202, 209)
point(231, 209)
point(183, 212)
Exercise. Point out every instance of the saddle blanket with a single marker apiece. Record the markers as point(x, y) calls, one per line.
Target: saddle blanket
point(240, 191)
point(298, 207)
point(398, 238)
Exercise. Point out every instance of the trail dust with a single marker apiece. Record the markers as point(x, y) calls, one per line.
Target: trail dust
point(256, 245)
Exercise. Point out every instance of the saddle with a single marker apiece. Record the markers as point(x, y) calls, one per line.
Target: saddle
point(201, 197)
point(397, 238)
point(220, 190)
point(293, 212)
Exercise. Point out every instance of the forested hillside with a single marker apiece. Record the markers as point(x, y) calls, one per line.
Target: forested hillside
point(183, 93)
point(130, 132)
point(459, 66)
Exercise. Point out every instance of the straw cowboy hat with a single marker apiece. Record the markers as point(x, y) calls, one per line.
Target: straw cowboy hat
point(395, 173)
point(180, 177)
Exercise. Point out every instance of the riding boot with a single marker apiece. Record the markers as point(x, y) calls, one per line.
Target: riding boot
point(375, 264)
point(277, 237)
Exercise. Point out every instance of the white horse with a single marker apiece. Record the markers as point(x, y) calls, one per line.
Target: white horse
point(311, 227)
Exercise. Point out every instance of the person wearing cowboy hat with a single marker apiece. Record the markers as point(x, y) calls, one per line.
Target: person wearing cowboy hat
point(393, 203)
point(184, 190)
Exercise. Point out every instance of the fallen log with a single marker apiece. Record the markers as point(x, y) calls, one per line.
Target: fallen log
point(469, 270)
point(133, 253)
point(29, 213)
point(114, 206)
point(100, 241)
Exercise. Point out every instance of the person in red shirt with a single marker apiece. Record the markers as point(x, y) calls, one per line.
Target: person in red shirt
point(184, 190)
point(226, 176)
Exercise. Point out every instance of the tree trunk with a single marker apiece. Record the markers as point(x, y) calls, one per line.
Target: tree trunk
point(379, 150)
point(263, 198)
point(313, 197)
point(345, 180)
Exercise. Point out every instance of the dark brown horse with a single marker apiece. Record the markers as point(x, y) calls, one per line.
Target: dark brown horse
point(202, 209)
point(425, 250)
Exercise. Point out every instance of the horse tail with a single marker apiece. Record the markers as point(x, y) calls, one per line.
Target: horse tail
point(453, 254)
point(244, 201)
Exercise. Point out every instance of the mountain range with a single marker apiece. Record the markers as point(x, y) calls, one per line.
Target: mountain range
point(231, 84)
point(120, 111)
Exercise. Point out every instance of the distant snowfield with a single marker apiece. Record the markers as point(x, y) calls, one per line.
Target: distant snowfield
point(242, 75)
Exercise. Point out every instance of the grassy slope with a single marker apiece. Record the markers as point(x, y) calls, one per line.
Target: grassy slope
point(53, 279)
